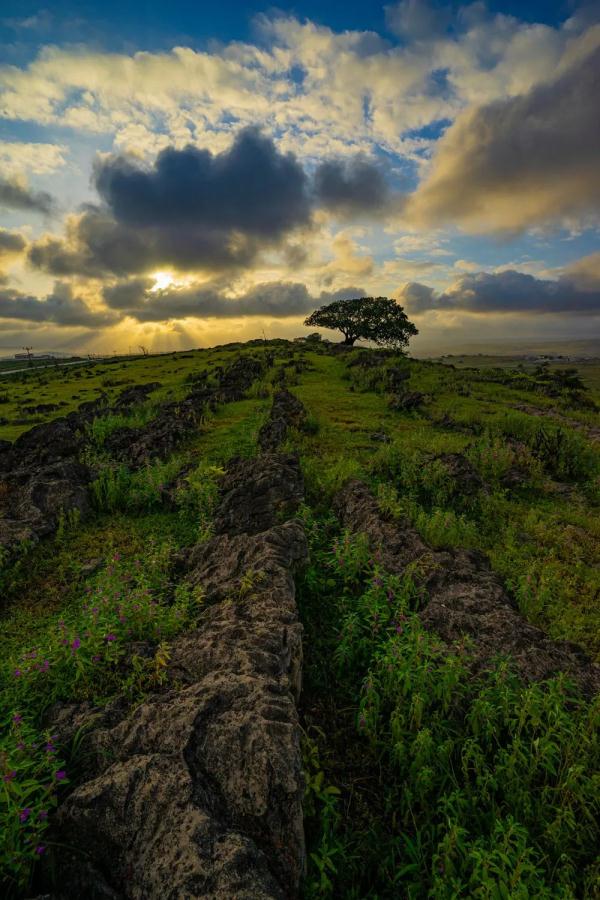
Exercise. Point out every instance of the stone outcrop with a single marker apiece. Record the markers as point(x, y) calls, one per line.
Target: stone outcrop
point(197, 792)
point(463, 597)
point(287, 411)
point(40, 478)
point(175, 421)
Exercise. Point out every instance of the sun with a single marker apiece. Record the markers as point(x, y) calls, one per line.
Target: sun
point(162, 280)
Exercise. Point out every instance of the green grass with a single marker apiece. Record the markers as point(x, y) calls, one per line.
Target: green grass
point(422, 781)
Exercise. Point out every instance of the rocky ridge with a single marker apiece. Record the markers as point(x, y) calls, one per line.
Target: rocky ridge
point(463, 597)
point(198, 791)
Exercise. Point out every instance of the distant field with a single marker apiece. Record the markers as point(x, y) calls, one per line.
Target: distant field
point(66, 386)
point(588, 369)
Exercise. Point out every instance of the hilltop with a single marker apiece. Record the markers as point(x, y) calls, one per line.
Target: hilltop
point(294, 619)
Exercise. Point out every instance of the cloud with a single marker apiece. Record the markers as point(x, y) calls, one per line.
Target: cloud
point(416, 19)
point(527, 161)
point(351, 187)
point(14, 194)
point(17, 157)
point(60, 307)
point(11, 243)
point(96, 246)
point(354, 90)
point(250, 187)
point(270, 300)
point(192, 209)
point(575, 292)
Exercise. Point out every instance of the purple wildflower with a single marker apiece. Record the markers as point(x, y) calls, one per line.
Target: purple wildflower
point(24, 814)
point(60, 775)
point(110, 637)
point(17, 718)
point(76, 644)
point(40, 849)
point(9, 776)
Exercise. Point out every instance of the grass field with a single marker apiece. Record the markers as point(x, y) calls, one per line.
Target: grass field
point(422, 781)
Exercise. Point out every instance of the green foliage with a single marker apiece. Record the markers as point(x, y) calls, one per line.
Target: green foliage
point(102, 427)
point(376, 319)
point(481, 786)
point(85, 652)
point(197, 497)
point(118, 488)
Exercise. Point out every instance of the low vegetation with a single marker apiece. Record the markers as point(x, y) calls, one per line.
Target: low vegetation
point(424, 777)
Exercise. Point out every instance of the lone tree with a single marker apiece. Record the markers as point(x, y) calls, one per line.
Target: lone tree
point(376, 319)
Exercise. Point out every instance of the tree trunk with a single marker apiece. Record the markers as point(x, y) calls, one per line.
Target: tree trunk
point(348, 340)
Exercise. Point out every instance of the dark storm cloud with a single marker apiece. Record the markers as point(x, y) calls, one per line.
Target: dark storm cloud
point(195, 210)
point(351, 187)
point(60, 307)
point(97, 245)
point(250, 187)
point(519, 162)
point(508, 292)
point(15, 195)
point(271, 300)
point(192, 210)
point(11, 242)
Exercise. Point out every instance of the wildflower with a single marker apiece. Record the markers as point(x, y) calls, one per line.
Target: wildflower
point(110, 637)
point(17, 673)
point(76, 644)
point(17, 719)
point(24, 814)
point(50, 748)
point(20, 745)
point(60, 775)
point(45, 666)
point(116, 557)
point(9, 776)
point(40, 849)
point(399, 629)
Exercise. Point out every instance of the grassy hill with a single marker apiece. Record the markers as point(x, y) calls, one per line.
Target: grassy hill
point(431, 770)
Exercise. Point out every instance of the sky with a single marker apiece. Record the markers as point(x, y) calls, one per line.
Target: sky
point(182, 174)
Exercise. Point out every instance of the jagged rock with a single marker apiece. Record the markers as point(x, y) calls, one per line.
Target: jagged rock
point(406, 402)
point(237, 378)
point(137, 394)
point(465, 477)
point(40, 478)
point(286, 411)
point(396, 379)
point(198, 791)
point(463, 597)
point(255, 490)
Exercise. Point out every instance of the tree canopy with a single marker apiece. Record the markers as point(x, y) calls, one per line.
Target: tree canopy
point(378, 319)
